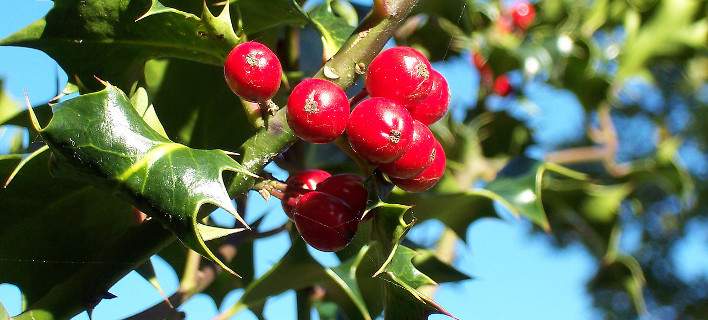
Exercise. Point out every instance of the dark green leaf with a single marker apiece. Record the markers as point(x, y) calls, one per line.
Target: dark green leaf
point(201, 114)
point(103, 135)
point(339, 282)
point(56, 271)
point(102, 38)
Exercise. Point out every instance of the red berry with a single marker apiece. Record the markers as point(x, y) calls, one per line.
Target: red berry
point(253, 72)
point(523, 14)
point(299, 184)
point(429, 177)
point(318, 110)
point(418, 157)
point(432, 107)
point(324, 221)
point(399, 73)
point(380, 129)
point(347, 187)
point(502, 86)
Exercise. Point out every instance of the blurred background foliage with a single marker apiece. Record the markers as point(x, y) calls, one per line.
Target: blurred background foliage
point(601, 135)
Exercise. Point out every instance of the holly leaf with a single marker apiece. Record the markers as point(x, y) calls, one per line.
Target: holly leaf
point(401, 281)
point(334, 30)
point(262, 15)
point(57, 273)
point(102, 135)
point(390, 225)
point(339, 282)
point(519, 187)
point(113, 39)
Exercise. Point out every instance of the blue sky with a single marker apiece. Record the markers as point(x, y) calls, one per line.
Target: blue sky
point(517, 276)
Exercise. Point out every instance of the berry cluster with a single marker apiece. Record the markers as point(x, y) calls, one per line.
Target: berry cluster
point(389, 129)
point(326, 208)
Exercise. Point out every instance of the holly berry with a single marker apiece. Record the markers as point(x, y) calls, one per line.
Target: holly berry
point(502, 86)
point(429, 177)
point(417, 158)
point(399, 73)
point(318, 110)
point(347, 187)
point(434, 106)
point(380, 129)
point(523, 13)
point(253, 71)
point(299, 184)
point(324, 221)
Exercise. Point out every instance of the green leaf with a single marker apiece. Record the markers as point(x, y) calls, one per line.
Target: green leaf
point(401, 280)
point(390, 225)
point(102, 38)
point(334, 30)
point(520, 186)
point(261, 15)
point(57, 273)
point(200, 114)
point(102, 134)
point(339, 282)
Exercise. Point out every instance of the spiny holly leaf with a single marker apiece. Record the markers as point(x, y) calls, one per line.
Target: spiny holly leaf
point(390, 225)
point(339, 282)
point(401, 281)
point(102, 134)
point(334, 30)
point(520, 184)
point(102, 38)
point(57, 273)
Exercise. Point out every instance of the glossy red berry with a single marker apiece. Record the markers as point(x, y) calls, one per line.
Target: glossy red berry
point(399, 73)
point(523, 13)
point(299, 184)
point(318, 110)
point(380, 129)
point(347, 187)
point(502, 86)
point(432, 107)
point(418, 157)
point(324, 221)
point(429, 177)
point(253, 71)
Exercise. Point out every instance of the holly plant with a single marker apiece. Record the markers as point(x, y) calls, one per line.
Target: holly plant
point(173, 109)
